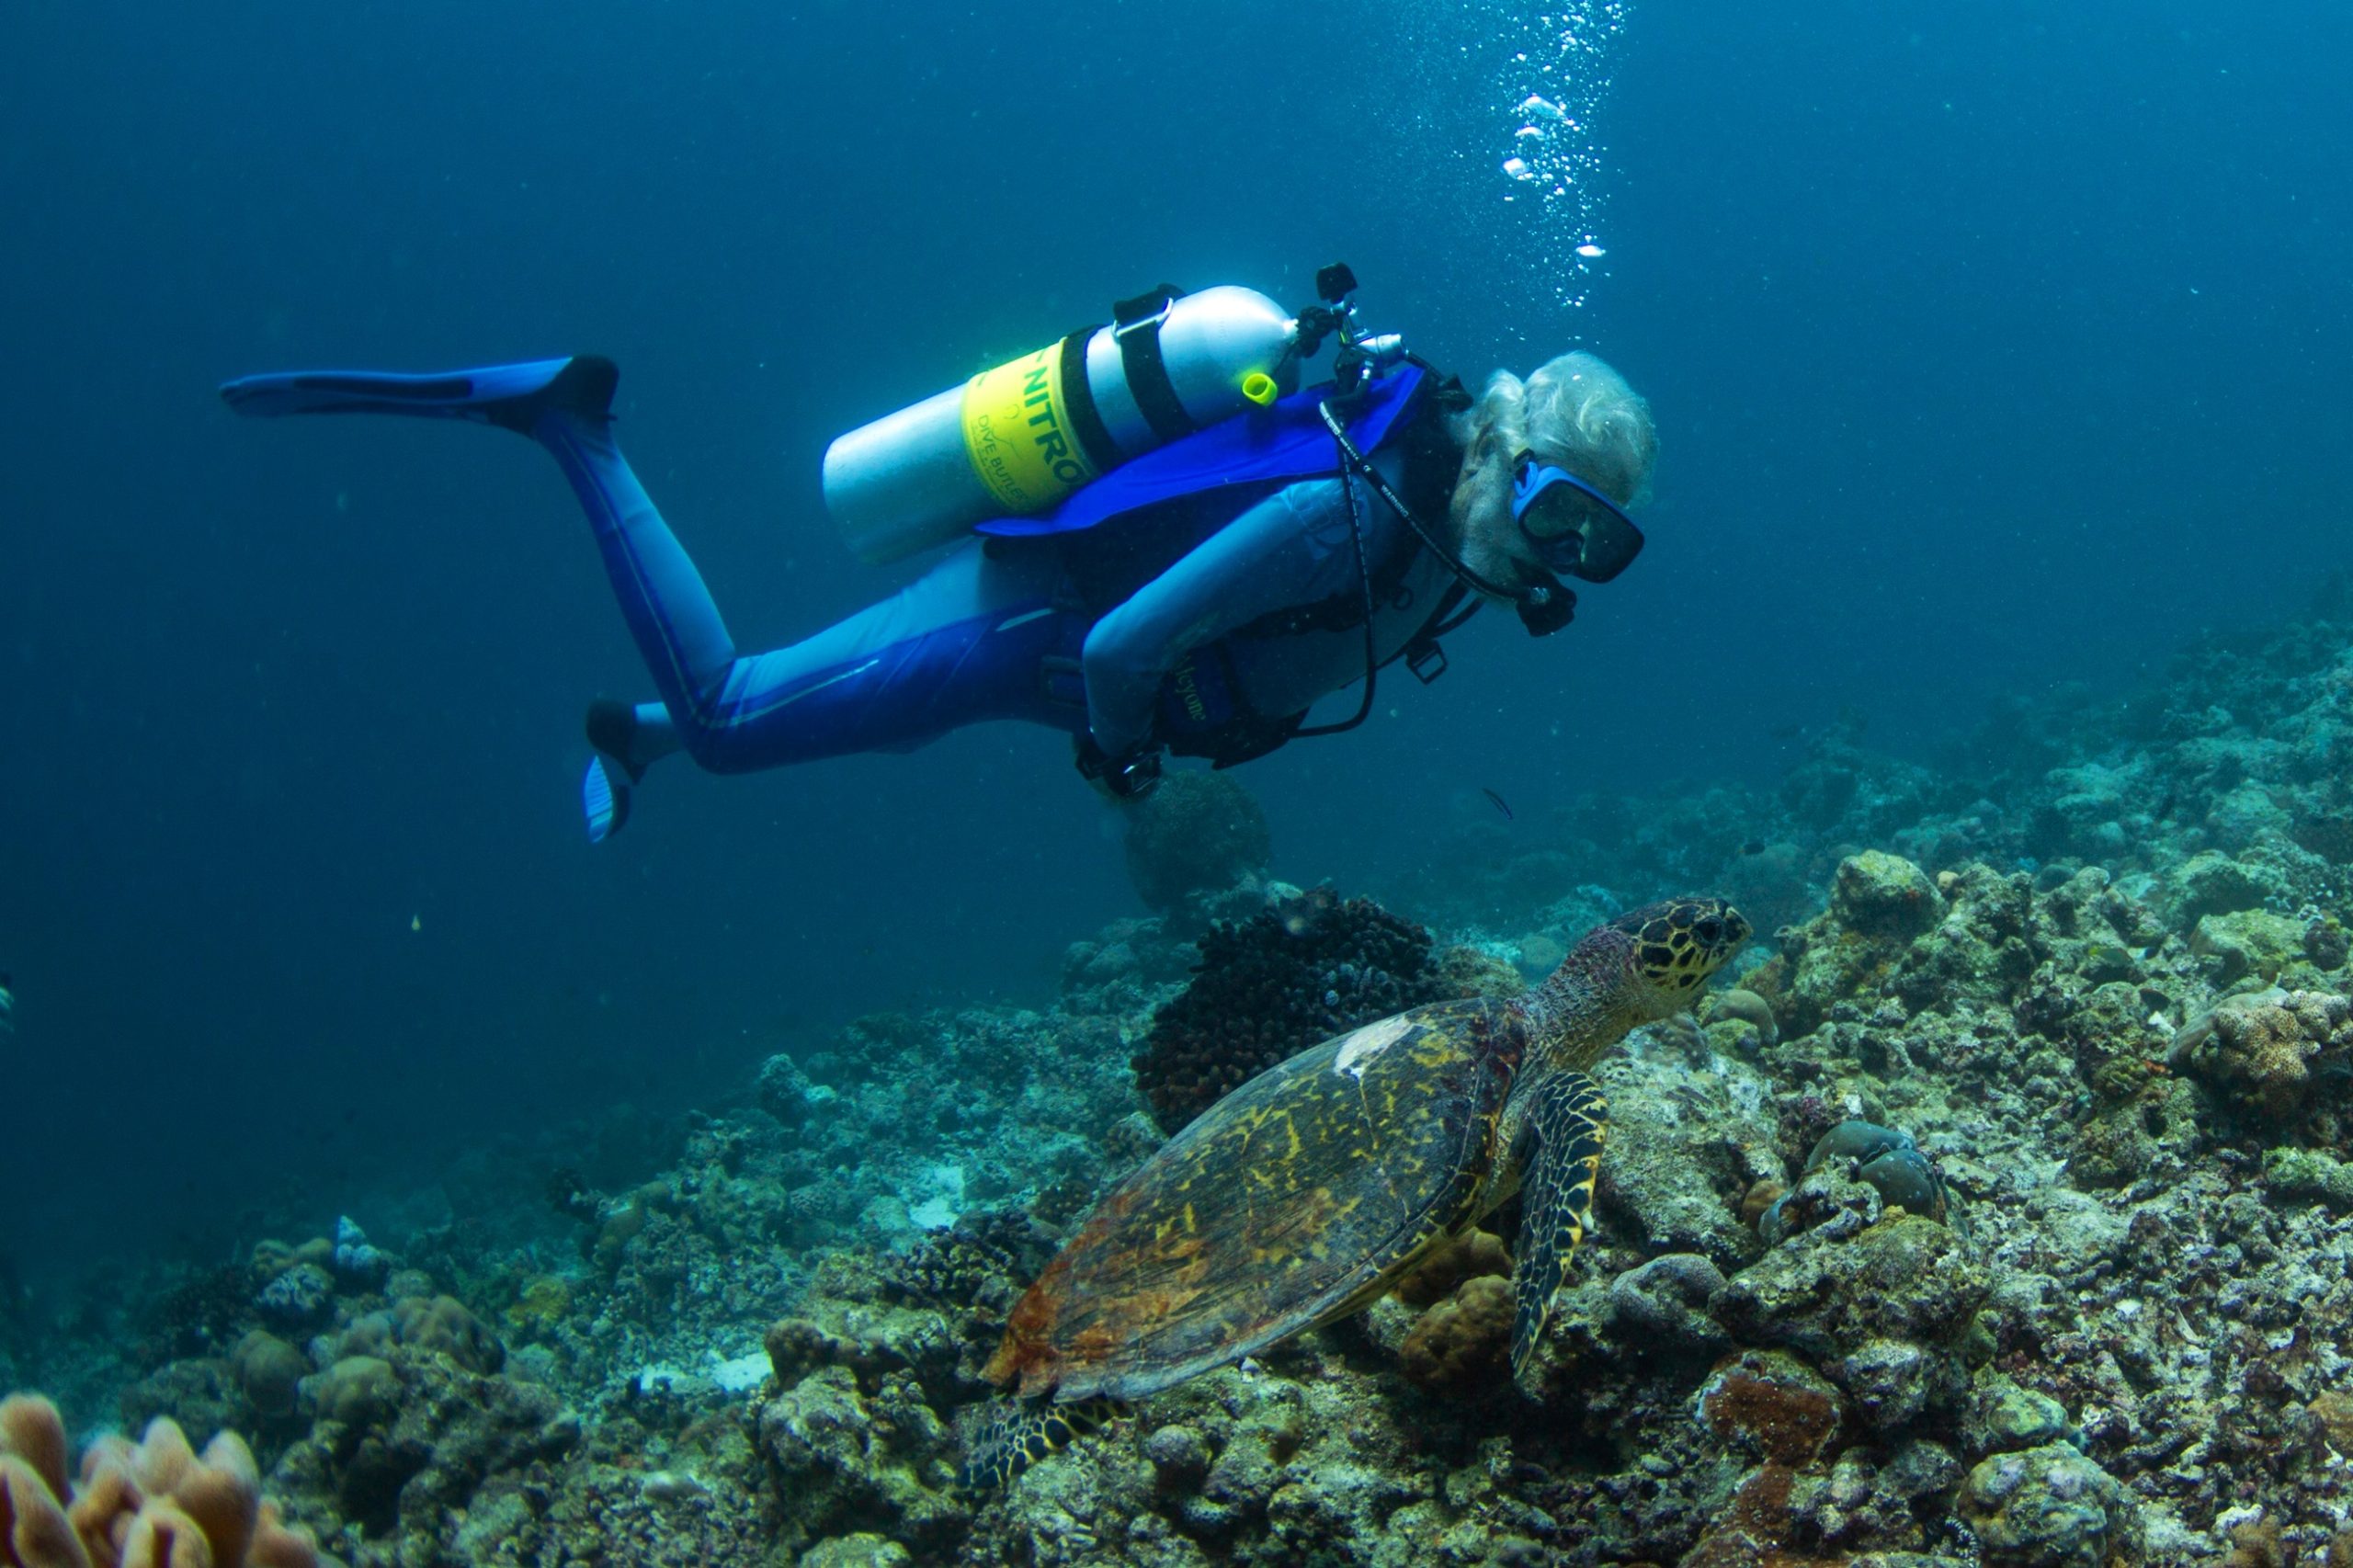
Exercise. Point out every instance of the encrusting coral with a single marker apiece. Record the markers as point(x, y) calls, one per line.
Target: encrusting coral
point(157, 1503)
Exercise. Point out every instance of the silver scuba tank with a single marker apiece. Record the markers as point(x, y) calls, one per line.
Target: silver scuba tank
point(1019, 438)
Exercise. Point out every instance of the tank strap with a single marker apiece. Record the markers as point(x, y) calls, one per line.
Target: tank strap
point(1135, 326)
point(1078, 400)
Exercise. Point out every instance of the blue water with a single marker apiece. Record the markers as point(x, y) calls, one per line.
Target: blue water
point(1993, 346)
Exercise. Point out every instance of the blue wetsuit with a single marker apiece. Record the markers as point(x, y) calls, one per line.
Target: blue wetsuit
point(1168, 627)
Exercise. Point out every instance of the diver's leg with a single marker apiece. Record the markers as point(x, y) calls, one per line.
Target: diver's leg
point(966, 642)
point(961, 644)
point(627, 741)
point(669, 611)
point(566, 406)
point(634, 736)
point(511, 396)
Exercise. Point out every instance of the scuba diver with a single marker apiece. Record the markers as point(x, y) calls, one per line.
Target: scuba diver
point(1179, 550)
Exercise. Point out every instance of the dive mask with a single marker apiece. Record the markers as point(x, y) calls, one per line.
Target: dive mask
point(1593, 542)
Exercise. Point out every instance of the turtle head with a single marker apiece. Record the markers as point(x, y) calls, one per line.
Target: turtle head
point(1678, 944)
point(1647, 964)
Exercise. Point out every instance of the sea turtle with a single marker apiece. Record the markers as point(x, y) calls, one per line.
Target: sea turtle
point(1301, 1197)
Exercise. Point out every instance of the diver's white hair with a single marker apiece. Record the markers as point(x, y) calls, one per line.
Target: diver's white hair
point(1576, 411)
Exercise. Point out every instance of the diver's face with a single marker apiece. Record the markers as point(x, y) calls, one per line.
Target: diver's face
point(1492, 543)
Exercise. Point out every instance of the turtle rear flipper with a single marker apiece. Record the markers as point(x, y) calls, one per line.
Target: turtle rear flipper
point(1017, 1434)
point(1568, 1119)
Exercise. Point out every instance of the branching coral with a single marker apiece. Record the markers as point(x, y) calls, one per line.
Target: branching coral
point(155, 1505)
point(1272, 985)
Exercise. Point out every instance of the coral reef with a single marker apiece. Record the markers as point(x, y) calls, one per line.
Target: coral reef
point(1999, 1213)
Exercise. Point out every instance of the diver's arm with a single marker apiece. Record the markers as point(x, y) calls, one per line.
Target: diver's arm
point(1291, 549)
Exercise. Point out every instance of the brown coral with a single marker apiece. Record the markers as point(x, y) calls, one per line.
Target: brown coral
point(155, 1505)
point(1746, 1007)
point(1433, 1277)
point(439, 1325)
point(269, 1373)
point(1461, 1344)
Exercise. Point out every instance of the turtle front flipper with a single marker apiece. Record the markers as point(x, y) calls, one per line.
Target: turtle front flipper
point(1568, 1119)
point(1018, 1434)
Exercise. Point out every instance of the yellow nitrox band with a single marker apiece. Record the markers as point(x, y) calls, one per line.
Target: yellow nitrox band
point(1017, 434)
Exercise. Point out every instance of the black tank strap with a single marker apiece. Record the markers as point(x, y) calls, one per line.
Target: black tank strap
point(1135, 325)
point(1078, 398)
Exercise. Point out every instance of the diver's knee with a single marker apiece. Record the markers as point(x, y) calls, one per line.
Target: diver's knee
point(717, 749)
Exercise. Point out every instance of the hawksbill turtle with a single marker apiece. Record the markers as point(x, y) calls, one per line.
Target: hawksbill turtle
point(1301, 1196)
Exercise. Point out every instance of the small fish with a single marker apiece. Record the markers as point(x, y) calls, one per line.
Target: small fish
point(1753, 847)
point(1499, 803)
point(7, 1005)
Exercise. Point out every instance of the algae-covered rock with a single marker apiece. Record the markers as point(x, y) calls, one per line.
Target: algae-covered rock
point(1837, 1288)
point(2045, 1507)
point(2241, 816)
point(2144, 1122)
point(2310, 1174)
point(2248, 942)
point(1884, 896)
point(841, 1456)
point(868, 1339)
point(1890, 1383)
point(2001, 1416)
point(2211, 883)
point(1984, 950)
point(1662, 1306)
point(1683, 1147)
point(860, 1551)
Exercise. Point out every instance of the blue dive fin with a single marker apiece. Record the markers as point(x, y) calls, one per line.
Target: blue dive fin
point(604, 800)
point(513, 396)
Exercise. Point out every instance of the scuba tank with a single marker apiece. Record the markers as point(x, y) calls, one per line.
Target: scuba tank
point(1019, 438)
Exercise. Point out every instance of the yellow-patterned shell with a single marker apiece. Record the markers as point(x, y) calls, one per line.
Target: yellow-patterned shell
point(1295, 1200)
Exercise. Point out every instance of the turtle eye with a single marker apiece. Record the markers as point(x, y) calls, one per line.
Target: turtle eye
point(1710, 930)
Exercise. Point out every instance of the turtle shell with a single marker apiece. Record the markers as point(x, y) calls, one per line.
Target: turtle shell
point(1294, 1200)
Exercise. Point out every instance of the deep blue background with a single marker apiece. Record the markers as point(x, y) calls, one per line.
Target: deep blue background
point(1993, 344)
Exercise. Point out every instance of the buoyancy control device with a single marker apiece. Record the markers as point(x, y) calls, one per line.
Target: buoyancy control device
point(1015, 439)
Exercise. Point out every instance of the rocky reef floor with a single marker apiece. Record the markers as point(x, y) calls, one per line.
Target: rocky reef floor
point(1997, 1210)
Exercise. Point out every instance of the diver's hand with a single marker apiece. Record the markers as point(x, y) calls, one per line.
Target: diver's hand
point(1129, 776)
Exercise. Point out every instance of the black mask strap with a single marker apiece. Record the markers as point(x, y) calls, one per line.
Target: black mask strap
point(1543, 609)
